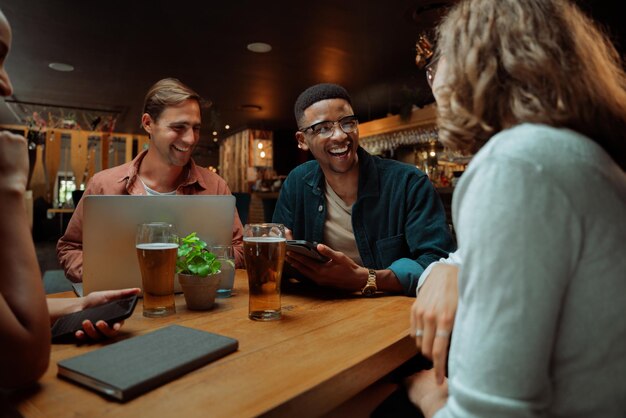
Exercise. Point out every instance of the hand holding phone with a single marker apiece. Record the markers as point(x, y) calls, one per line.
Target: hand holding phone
point(115, 311)
point(306, 248)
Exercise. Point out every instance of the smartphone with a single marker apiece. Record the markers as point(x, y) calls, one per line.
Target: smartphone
point(115, 311)
point(307, 248)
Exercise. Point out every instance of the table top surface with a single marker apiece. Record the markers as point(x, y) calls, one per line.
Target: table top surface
point(327, 348)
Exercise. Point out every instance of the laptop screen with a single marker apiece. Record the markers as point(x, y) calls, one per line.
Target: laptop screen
point(110, 224)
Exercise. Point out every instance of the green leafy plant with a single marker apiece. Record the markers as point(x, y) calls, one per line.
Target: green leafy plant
point(194, 258)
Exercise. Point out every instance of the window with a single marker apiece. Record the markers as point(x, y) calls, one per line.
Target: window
point(65, 185)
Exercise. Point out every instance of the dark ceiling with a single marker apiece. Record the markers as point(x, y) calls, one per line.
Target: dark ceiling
point(119, 48)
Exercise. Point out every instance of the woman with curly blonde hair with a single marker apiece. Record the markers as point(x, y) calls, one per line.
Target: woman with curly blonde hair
point(538, 90)
point(540, 62)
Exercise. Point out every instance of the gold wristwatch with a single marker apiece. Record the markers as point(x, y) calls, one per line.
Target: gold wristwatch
point(370, 287)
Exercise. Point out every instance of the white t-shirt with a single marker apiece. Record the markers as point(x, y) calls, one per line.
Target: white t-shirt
point(338, 232)
point(152, 192)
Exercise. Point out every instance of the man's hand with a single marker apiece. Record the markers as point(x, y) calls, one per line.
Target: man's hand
point(432, 315)
point(101, 328)
point(339, 272)
point(13, 163)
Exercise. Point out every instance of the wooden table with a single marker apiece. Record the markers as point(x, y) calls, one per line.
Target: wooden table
point(326, 349)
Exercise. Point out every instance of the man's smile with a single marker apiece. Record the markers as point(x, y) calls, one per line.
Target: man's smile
point(340, 150)
point(180, 149)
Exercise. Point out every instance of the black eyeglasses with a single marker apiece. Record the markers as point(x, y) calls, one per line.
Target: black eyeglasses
point(325, 129)
point(431, 70)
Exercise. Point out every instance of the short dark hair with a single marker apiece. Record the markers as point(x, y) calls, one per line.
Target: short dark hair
point(317, 93)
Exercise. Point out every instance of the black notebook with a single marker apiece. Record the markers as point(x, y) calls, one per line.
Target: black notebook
point(129, 368)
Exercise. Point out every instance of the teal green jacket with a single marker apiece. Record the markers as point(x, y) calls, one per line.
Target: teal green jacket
point(398, 219)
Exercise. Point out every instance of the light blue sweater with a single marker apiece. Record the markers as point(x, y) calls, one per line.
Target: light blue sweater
point(540, 328)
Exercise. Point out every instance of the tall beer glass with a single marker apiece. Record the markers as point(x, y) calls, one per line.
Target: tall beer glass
point(264, 253)
point(157, 246)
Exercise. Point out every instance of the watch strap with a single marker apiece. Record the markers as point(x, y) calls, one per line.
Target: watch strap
point(370, 286)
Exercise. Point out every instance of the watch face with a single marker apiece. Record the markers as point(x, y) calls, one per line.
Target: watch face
point(369, 290)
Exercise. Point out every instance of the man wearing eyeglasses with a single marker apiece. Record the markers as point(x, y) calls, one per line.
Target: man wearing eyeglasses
point(378, 221)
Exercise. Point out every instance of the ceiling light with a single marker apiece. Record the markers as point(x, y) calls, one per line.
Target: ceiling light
point(59, 66)
point(259, 47)
point(227, 127)
point(250, 107)
point(262, 154)
point(214, 139)
point(260, 145)
point(214, 133)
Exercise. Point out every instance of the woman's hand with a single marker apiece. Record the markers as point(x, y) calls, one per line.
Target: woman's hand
point(101, 328)
point(425, 393)
point(432, 315)
point(13, 163)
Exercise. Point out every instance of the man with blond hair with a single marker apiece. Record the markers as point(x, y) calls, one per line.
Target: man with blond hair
point(171, 117)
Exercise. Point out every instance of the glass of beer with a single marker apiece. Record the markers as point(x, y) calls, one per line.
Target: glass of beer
point(264, 254)
point(157, 247)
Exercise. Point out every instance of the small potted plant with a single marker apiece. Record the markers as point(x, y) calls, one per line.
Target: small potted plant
point(198, 272)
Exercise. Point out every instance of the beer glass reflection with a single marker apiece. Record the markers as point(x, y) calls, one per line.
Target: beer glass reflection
point(264, 254)
point(157, 246)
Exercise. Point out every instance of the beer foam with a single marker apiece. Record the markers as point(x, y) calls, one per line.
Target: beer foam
point(157, 246)
point(264, 239)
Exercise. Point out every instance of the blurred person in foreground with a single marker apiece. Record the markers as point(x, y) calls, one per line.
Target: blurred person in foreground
point(172, 118)
point(540, 216)
point(379, 221)
point(25, 318)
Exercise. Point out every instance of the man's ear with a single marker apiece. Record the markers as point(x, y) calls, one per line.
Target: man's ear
point(146, 123)
point(301, 141)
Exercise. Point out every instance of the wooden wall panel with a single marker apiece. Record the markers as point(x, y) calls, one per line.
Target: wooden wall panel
point(52, 160)
point(38, 183)
point(78, 155)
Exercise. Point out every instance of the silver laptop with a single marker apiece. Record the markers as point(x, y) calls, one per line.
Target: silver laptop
point(110, 223)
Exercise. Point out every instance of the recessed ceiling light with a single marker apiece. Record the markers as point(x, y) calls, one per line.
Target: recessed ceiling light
point(227, 127)
point(260, 47)
point(250, 107)
point(214, 133)
point(59, 66)
point(214, 139)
